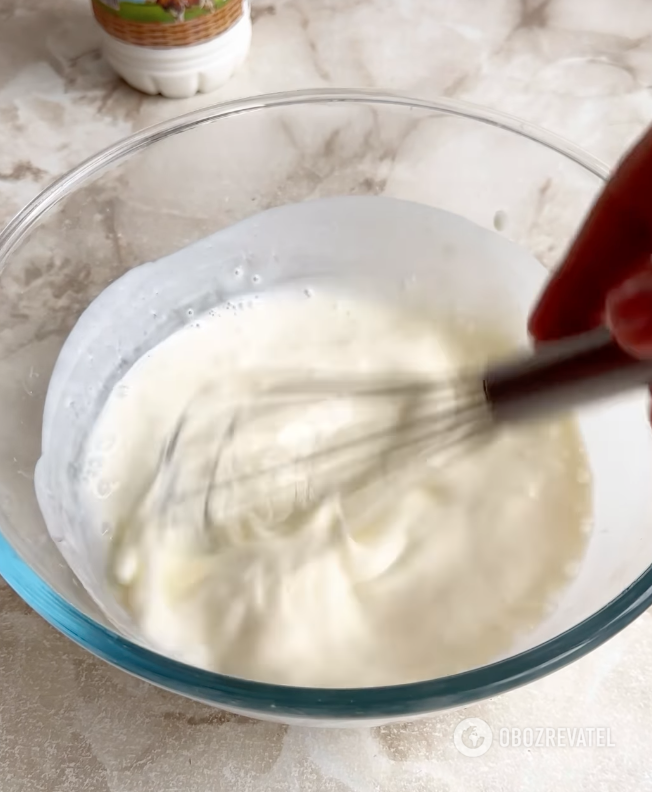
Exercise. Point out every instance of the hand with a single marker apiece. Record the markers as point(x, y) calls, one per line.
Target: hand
point(606, 277)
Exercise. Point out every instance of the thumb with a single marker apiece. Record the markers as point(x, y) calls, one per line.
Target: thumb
point(629, 314)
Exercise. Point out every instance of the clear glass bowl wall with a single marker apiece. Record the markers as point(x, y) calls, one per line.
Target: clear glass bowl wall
point(167, 187)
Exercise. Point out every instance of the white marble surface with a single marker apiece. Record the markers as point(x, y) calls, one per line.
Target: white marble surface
point(69, 722)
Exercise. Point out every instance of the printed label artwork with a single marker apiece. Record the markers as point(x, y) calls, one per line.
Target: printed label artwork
point(162, 10)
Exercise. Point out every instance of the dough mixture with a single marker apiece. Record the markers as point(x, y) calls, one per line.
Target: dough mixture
point(422, 572)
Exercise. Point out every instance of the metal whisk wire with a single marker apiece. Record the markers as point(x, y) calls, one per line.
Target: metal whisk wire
point(425, 421)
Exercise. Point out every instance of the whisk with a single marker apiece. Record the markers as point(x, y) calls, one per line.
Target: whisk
point(415, 422)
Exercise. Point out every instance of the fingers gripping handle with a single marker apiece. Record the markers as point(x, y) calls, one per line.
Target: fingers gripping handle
point(563, 375)
point(614, 243)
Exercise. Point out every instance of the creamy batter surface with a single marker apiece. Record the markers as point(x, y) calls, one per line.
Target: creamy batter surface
point(422, 573)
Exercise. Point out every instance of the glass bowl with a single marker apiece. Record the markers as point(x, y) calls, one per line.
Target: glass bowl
point(174, 184)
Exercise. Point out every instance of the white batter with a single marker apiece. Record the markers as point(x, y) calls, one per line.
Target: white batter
point(410, 579)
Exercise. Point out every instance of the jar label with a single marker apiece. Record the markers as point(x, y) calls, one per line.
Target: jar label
point(167, 23)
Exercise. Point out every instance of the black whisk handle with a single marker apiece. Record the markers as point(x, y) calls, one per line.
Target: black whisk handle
point(563, 375)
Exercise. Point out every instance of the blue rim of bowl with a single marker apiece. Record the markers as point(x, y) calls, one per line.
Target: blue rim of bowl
point(297, 702)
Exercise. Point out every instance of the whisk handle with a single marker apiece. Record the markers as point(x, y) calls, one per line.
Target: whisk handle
point(563, 375)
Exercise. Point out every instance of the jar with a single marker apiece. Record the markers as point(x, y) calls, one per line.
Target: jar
point(176, 48)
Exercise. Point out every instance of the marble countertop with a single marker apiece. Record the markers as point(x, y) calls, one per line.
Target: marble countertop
point(70, 722)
